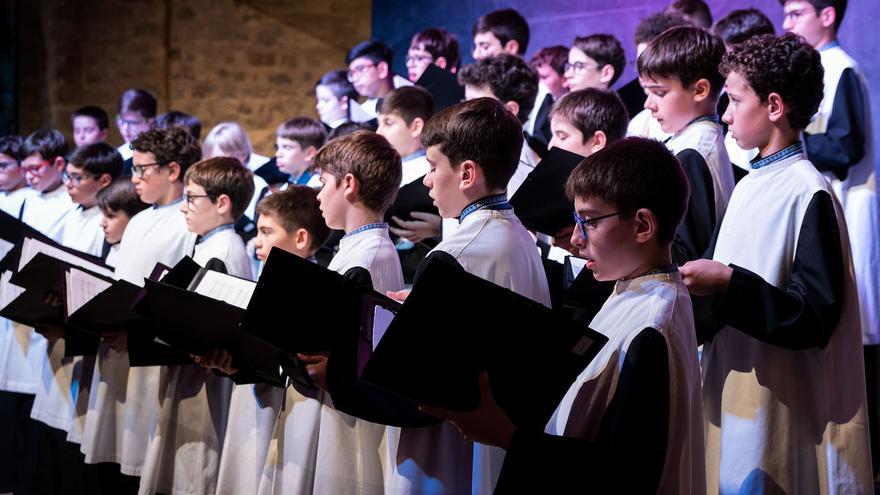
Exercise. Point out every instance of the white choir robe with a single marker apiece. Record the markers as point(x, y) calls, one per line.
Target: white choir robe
point(371, 105)
point(112, 256)
point(495, 246)
point(839, 142)
point(184, 451)
point(45, 211)
point(738, 156)
point(124, 401)
point(783, 372)
point(11, 202)
point(315, 448)
point(644, 125)
point(632, 421)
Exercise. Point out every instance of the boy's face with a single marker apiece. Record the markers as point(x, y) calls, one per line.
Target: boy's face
point(554, 82)
point(367, 76)
point(86, 131)
point(329, 107)
point(42, 174)
point(82, 186)
point(114, 223)
point(747, 117)
point(271, 233)
point(583, 72)
point(801, 18)
point(11, 175)
point(672, 105)
point(417, 61)
point(291, 158)
point(155, 182)
point(332, 202)
point(487, 45)
point(132, 124)
point(443, 183)
point(403, 138)
point(201, 211)
point(610, 247)
point(568, 137)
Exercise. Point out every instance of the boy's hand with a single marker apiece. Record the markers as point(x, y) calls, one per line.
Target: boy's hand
point(116, 339)
point(51, 332)
point(706, 277)
point(399, 296)
point(486, 424)
point(217, 359)
point(316, 367)
point(423, 226)
point(52, 299)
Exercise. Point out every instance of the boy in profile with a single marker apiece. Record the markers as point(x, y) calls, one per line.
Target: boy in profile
point(585, 121)
point(369, 70)
point(119, 203)
point(432, 46)
point(594, 61)
point(44, 162)
point(90, 125)
point(500, 31)
point(296, 143)
point(13, 184)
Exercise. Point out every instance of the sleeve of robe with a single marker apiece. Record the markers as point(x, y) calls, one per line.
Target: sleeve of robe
point(629, 451)
point(842, 145)
point(695, 230)
point(804, 313)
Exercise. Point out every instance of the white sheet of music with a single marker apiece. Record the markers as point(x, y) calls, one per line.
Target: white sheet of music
point(5, 247)
point(381, 321)
point(577, 264)
point(32, 247)
point(81, 288)
point(226, 288)
point(8, 290)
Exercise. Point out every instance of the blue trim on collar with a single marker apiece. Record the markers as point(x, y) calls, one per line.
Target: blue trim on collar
point(302, 180)
point(364, 228)
point(415, 154)
point(497, 202)
point(780, 155)
point(831, 44)
point(178, 200)
point(216, 230)
point(713, 117)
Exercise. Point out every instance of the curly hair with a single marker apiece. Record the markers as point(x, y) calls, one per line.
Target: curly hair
point(169, 145)
point(687, 53)
point(508, 77)
point(786, 65)
point(652, 26)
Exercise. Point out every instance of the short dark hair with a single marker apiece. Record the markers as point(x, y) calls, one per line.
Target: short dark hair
point(337, 82)
point(297, 207)
point(98, 159)
point(48, 143)
point(371, 159)
point(652, 26)
point(482, 130)
point(553, 56)
point(686, 53)
point(410, 102)
point(506, 25)
point(346, 128)
point(508, 77)
point(741, 25)
point(120, 195)
point(224, 175)
point(186, 121)
point(592, 109)
point(635, 173)
point(13, 147)
point(138, 100)
point(305, 131)
point(695, 10)
point(375, 50)
point(838, 5)
point(604, 49)
point(169, 145)
point(94, 112)
point(786, 65)
point(439, 43)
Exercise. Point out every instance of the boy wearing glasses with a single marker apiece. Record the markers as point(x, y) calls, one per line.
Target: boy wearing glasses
point(123, 406)
point(432, 46)
point(43, 163)
point(13, 184)
point(679, 71)
point(135, 114)
point(369, 70)
point(594, 61)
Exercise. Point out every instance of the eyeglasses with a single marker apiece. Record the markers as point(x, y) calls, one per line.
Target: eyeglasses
point(357, 70)
point(129, 123)
point(36, 170)
point(584, 223)
point(139, 170)
point(75, 179)
point(579, 66)
point(190, 198)
point(5, 165)
point(794, 15)
point(415, 59)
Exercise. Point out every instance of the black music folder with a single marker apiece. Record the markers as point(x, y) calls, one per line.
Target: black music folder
point(443, 86)
point(540, 201)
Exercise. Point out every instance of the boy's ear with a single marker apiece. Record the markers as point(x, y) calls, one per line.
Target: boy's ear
point(512, 107)
point(469, 172)
point(104, 180)
point(511, 47)
point(598, 141)
point(775, 107)
point(646, 225)
point(301, 239)
point(383, 69)
point(606, 74)
point(416, 126)
point(311, 151)
point(104, 133)
point(441, 62)
point(702, 88)
point(350, 188)
point(827, 17)
point(59, 163)
point(174, 174)
point(224, 204)
point(344, 100)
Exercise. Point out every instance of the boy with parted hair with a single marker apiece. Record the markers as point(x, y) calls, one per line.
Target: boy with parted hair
point(594, 61)
point(90, 125)
point(679, 71)
point(432, 46)
point(586, 121)
point(500, 31)
point(783, 376)
point(297, 141)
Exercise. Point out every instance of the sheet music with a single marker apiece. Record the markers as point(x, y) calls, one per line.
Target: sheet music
point(577, 264)
point(5, 247)
point(381, 321)
point(82, 288)
point(32, 247)
point(222, 287)
point(8, 290)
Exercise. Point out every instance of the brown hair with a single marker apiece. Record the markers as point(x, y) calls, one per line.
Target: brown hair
point(553, 56)
point(297, 207)
point(652, 26)
point(686, 53)
point(592, 109)
point(137, 100)
point(120, 195)
point(509, 78)
point(439, 43)
point(604, 49)
point(224, 175)
point(305, 131)
point(482, 130)
point(410, 102)
point(506, 25)
point(370, 158)
point(169, 145)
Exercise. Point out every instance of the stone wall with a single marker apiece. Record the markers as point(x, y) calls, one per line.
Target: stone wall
point(254, 61)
